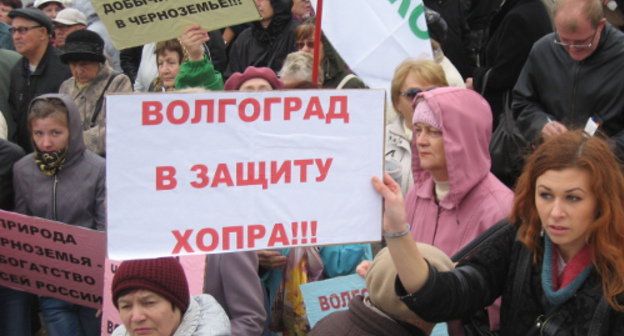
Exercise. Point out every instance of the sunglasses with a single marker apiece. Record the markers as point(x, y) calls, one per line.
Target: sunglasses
point(410, 93)
point(300, 45)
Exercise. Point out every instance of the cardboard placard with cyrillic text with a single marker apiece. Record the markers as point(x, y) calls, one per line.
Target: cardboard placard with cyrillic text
point(193, 266)
point(133, 23)
point(52, 259)
point(322, 298)
point(191, 173)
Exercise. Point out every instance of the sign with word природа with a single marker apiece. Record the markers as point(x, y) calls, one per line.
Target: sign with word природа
point(191, 173)
point(52, 259)
point(133, 23)
point(322, 298)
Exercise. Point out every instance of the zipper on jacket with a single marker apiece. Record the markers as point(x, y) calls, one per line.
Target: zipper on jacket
point(577, 67)
point(54, 197)
point(435, 230)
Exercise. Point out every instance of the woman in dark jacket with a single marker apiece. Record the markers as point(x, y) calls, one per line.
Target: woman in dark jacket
point(62, 181)
point(513, 30)
point(558, 266)
point(267, 42)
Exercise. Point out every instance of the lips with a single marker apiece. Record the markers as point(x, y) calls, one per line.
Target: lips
point(142, 331)
point(557, 229)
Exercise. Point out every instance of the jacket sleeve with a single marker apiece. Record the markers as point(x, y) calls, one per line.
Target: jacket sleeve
point(343, 259)
point(199, 74)
point(19, 183)
point(100, 201)
point(476, 282)
point(95, 137)
point(9, 153)
point(237, 278)
point(529, 112)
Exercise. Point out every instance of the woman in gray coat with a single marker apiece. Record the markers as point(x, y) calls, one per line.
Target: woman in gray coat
point(62, 181)
point(91, 79)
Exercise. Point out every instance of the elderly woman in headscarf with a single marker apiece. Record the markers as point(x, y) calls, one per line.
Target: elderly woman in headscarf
point(92, 78)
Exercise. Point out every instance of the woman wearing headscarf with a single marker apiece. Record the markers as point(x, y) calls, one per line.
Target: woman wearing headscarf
point(62, 181)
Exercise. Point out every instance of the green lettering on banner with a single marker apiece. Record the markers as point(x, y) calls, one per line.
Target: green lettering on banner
point(413, 18)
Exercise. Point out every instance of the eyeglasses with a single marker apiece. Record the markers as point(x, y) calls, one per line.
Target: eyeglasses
point(301, 44)
point(587, 43)
point(22, 30)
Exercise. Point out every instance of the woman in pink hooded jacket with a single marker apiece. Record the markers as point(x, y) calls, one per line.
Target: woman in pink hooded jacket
point(454, 197)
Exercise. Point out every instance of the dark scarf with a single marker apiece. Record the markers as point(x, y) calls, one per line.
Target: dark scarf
point(281, 18)
point(50, 162)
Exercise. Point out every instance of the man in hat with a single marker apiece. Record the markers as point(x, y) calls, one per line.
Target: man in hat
point(66, 22)
point(51, 8)
point(39, 71)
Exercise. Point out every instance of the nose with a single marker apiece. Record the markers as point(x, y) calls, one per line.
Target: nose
point(557, 210)
point(46, 142)
point(422, 139)
point(137, 314)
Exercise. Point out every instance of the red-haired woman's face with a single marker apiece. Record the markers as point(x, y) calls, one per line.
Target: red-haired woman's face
point(566, 206)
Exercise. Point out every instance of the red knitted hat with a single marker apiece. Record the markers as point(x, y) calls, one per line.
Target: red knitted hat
point(237, 79)
point(163, 276)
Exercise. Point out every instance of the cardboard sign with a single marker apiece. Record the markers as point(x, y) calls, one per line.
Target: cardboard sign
point(322, 298)
point(52, 259)
point(393, 31)
point(194, 267)
point(238, 171)
point(136, 22)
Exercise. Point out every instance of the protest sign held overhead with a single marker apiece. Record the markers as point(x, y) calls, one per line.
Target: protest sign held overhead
point(136, 22)
point(52, 259)
point(232, 171)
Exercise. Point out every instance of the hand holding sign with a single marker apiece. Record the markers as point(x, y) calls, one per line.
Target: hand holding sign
point(192, 40)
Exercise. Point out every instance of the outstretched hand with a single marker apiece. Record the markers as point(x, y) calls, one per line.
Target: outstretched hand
point(193, 39)
point(394, 219)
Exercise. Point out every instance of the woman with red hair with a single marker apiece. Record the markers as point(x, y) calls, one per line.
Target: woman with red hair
point(558, 266)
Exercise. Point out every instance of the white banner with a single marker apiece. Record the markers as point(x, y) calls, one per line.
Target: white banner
point(374, 36)
point(230, 171)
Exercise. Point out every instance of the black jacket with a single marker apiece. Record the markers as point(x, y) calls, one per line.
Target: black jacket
point(25, 86)
point(264, 47)
point(513, 30)
point(9, 154)
point(554, 86)
point(491, 272)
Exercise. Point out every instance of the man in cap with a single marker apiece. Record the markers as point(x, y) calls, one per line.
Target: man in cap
point(66, 22)
point(39, 71)
point(50, 7)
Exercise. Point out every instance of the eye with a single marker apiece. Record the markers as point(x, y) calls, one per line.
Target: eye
point(545, 195)
point(573, 198)
point(435, 132)
point(37, 133)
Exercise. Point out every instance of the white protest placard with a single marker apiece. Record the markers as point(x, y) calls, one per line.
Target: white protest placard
point(233, 171)
point(374, 36)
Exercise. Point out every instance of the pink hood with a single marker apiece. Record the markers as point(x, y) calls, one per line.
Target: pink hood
point(466, 121)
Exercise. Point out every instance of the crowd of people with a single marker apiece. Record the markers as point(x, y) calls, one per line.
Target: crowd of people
point(536, 251)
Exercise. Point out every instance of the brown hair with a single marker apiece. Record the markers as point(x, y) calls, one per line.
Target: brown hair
point(48, 108)
point(426, 71)
point(304, 31)
point(12, 3)
point(576, 149)
point(169, 45)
